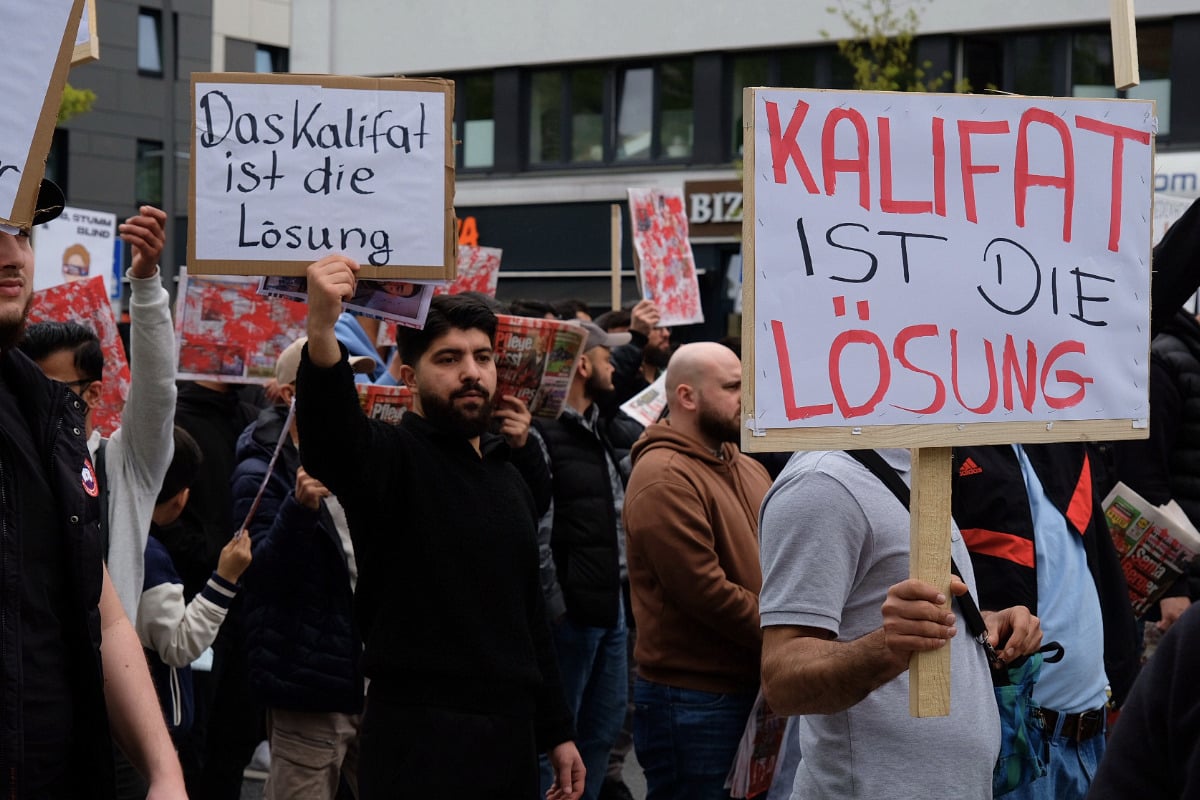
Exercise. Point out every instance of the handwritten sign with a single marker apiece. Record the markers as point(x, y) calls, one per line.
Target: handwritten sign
point(226, 331)
point(289, 168)
point(87, 303)
point(36, 40)
point(77, 245)
point(918, 264)
point(666, 268)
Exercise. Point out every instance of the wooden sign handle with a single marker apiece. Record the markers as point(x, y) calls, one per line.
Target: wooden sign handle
point(615, 237)
point(929, 672)
point(1124, 44)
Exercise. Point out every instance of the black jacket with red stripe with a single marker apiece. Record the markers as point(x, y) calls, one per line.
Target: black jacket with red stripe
point(992, 510)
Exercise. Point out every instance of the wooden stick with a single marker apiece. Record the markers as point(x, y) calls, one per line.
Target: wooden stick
point(615, 234)
point(1124, 44)
point(929, 672)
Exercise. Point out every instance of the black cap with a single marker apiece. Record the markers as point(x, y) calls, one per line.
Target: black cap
point(50, 202)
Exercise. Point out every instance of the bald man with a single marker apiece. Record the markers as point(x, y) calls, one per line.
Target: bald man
point(691, 527)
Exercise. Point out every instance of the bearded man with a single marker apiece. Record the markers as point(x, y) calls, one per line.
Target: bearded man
point(582, 547)
point(444, 526)
point(691, 528)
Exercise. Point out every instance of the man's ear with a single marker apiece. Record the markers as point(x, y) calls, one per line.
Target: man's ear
point(408, 376)
point(91, 395)
point(688, 396)
point(585, 366)
point(287, 392)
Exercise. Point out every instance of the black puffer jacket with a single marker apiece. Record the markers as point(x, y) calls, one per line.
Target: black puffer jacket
point(54, 416)
point(303, 652)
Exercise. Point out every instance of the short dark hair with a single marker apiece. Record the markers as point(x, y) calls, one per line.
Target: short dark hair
point(570, 308)
point(532, 308)
point(446, 311)
point(618, 318)
point(47, 338)
point(185, 465)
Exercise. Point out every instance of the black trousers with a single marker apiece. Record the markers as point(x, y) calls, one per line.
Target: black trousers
point(421, 752)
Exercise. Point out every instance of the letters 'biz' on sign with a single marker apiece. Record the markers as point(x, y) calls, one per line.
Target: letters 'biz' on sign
point(929, 270)
point(287, 169)
point(36, 43)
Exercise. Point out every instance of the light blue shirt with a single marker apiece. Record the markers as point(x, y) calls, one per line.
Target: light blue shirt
point(1068, 607)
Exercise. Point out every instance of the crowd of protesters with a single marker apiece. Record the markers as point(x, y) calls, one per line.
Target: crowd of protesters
point(472, 603)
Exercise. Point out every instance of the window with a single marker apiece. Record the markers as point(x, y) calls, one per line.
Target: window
point(635, 114)
point(1154, 69)
point(747, 71)
point(587, 115)
point(545, 117)
point(983, 63)
point(270, 59)
point(676, 122)
point(479, 124)
point(149, 44)
point(1091, 65)
point(148, 173)
point(1033, 57)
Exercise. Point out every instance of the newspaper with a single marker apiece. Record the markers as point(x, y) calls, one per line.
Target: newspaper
point(402, 302)
point(384, 403)
point(536, 360)
point(757, 758)
point(1155, 544)
point(226, 331)
point(648, 405)
point(666, 267)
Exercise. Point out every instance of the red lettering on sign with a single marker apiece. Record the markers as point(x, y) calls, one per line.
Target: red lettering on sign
point(833, 165)
point(1119, 134)
point(966, 128)
point(1024, 178)
point(785, 147)
point(886, 201)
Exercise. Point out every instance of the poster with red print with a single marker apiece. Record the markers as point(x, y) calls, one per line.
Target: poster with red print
point(478, 271)
point(87, 303)
point(229, 332)
point(666, 269)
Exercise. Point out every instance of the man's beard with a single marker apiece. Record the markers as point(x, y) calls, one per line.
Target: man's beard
point(11, 332)
point(448, 416)
point(720, 429)
point(594, 389)
point(656, 356)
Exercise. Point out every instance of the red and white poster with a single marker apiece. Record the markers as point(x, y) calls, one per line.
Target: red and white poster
point(666, 268)
point(86, 302)
point(227, 331)
point(478, 271)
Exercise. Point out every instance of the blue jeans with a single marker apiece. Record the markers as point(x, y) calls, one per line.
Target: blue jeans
point(1070, 768)
point(686, 740)
point(594, 669)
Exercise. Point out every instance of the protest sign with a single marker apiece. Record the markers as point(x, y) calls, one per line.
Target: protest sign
point(919, 264)
point(87, 303)
point(75, 246)
point(226, 331)
point(663, 255)
point(536, 360)
point(87, 42)
point(402, 302)
point(478, 271)
point(37, 40)
point(286, 169)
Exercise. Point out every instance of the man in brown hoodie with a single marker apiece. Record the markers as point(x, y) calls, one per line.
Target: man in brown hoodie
point(691, 525)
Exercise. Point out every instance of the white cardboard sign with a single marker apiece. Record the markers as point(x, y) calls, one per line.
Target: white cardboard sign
point(36, 50)
point(286, 170)
point(947, 259)
point(79, 244)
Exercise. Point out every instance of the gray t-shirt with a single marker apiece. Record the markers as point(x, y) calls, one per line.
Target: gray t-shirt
point(833, 541)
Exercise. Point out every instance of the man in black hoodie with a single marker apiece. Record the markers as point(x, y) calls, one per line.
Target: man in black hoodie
point(444, 525)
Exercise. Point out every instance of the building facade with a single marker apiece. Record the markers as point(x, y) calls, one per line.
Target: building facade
point(560, 107)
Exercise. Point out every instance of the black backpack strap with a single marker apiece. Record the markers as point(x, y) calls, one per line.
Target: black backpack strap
point(102, 479)
point(892, 480)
